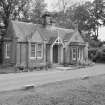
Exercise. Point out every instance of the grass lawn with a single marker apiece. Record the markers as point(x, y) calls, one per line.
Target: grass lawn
point(88, 91)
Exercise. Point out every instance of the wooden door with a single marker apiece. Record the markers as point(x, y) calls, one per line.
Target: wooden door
point(55, 54)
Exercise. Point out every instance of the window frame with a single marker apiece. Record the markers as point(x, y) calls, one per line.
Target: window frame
point(74, 58)
point(7, 45)
point(31, 51)
point(36, 51)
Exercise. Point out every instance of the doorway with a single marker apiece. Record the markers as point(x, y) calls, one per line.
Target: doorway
point(55, 54)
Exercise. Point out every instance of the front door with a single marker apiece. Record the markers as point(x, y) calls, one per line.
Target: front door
point(55, 54)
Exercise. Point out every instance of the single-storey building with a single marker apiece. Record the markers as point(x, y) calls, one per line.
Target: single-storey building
point(28, 44)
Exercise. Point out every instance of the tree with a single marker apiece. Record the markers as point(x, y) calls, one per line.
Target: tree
point(81, 16)
point(37, 11)
point(62, 5)
point(65, 16)
point(22, 10)
point(97, 16)
point(90, 16)
point(12, 9)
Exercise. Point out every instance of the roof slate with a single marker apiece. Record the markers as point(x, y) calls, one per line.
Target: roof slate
point(68, 36)
point(22, 29)
point(50, 33)
point(47, 33)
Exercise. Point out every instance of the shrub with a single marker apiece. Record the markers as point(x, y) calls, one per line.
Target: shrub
point(97, 55)
point(92, 53)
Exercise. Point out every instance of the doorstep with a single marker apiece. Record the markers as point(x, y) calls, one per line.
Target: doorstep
point(66, 68)
point(71, 67)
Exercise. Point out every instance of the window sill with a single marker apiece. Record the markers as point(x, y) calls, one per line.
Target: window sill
point(35, 58)
point(7, 57)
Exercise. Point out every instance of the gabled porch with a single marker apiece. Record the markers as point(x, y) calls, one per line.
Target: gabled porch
point(56, 51)
point(74, 53)
point(77, 52)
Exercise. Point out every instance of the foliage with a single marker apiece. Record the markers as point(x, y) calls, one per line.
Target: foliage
point(89, 16)
point(81, 16)
point(97, 55)
point(97, 15)
point(95, 43)
point(63, 20)
point(37, 11)
point(62, 5)
point(92, 53)
point(12, 9)
point(23, 10)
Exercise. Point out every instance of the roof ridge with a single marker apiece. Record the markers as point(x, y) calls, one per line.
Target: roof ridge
point(59, 28)
point(17, 22)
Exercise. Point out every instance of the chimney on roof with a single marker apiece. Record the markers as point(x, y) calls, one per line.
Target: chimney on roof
point(47, 19)
point(75, 24)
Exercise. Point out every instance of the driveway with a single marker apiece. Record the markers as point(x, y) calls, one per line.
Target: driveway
point(19, 80)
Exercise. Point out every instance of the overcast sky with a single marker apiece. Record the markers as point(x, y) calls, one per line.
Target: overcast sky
point(51, 3)
point(51, 7)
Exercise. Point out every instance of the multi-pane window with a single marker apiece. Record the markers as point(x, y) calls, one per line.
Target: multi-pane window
point(36, 50)
point(7, 50)
point(33, 50)
point(74, 53)
point(39, 51)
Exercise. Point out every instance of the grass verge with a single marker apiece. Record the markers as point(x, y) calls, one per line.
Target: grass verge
point(89, 91)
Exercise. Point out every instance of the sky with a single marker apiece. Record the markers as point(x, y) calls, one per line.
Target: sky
point(51, 3)
point(51, 7)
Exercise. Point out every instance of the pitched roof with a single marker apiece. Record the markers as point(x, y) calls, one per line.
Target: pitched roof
point(52, 40)
point(50, 33)
point(47, 33)
point(22, 29)
point(68, 36)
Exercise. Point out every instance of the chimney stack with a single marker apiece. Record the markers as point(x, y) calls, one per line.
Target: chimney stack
point(48, 19)
point(75, 24)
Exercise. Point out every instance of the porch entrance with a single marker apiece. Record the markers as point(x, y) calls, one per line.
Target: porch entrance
point(55, 54)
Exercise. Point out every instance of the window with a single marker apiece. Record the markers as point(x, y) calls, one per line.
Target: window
point(7, 50)
point(39, 51)
point(33, 50)
point(78, 53)
point(36, 50)
point(73, 53)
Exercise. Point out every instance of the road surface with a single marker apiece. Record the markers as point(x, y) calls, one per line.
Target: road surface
point(19, 80)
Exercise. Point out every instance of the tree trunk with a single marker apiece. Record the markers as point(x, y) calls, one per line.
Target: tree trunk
point(97, 31)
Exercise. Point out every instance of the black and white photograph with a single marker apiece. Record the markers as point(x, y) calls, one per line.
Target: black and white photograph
point(52, 52)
